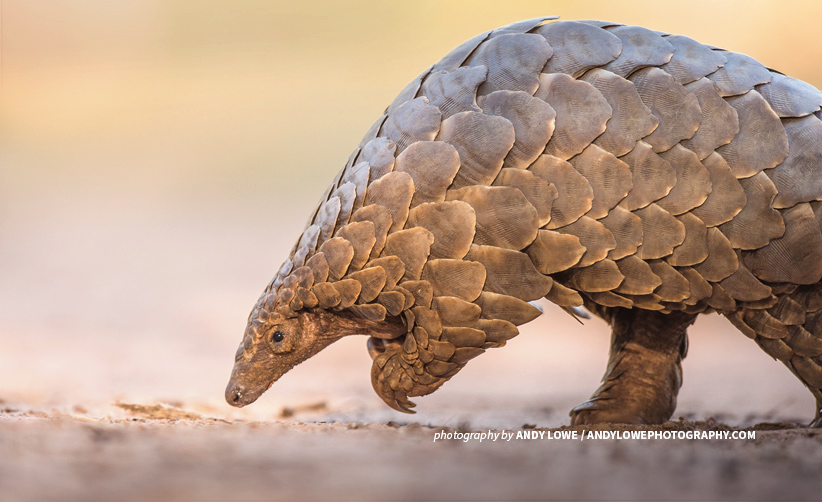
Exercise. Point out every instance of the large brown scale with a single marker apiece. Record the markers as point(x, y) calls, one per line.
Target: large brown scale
point(642, 175)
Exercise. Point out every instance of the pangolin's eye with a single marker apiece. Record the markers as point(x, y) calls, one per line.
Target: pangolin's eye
point(277, 336)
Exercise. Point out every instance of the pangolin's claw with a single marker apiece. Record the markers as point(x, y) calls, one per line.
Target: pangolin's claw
point(404, 407)
point(580, 415)
point(593, 404)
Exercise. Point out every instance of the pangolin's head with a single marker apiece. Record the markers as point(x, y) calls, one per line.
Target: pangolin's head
point(282, 331)
point(275, 340)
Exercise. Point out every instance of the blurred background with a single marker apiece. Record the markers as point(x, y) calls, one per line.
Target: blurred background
point(158, 159)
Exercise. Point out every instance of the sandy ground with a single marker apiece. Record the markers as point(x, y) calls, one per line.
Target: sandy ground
point(58, 457)
point(321, 433)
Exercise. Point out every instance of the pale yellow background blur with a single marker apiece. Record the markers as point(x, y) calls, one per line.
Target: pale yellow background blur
point(159, 158)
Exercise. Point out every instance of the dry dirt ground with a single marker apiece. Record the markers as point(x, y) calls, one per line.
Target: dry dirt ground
point(71, 457)
point(117, 432)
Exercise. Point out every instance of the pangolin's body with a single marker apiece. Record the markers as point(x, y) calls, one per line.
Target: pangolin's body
point(644, 175)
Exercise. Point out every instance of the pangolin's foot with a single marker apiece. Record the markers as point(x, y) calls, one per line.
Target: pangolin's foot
point(640, 388)
point(644, 370)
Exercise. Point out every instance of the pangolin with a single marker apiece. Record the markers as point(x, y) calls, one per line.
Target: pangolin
point(642, 175)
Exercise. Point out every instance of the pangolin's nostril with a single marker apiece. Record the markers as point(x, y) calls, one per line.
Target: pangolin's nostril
point(234, 395)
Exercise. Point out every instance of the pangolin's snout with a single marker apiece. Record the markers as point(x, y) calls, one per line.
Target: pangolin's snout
point(238, 395)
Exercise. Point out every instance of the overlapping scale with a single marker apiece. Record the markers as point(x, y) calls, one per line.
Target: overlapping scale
point(507, 308)
point(641, 47)
point(796, 256)
point(394, 192)
point(514, 61)
point(720, 299)
point(693, 181)
point(610, 299)
point(797, 178)
point(347, 193)
point(694, 249)
point(553, 252)
point(432, 166)
point(504, 216)
point(727, 197)
point(412, 246)
point(626, 228)
point(743, 286)
point(394, 269)
point(739, 74)
point(652, 176)
point(370, 135)
point(578, 47)
point(414, 120)
point(510, 272)
point(326, 217)
point(630, 119)
point(455, 91)
point(575, 196)
point(319, 267)
point(357, 175)
point(609, 177)
point(458, 278)
point(338, 253)
point(536, 190)
point(482, 141)
point(379, 153)
point(790, 97)
point(691, 60)
point(758, 222)
point(700, 288)
point(381, 218)
point(592, 235)
point(603, 275)
point(719, 124)
point(371, 280)
point(407, 94)
point(674, 287)
point(676, 108)
point(639, 278)
point(454, 311)
point(761, 142)
point(581, 109)
point(361, 235)
point(661, 232)
point(533, 120)
point(452, 224)
point(721, 261)
point(564, 296)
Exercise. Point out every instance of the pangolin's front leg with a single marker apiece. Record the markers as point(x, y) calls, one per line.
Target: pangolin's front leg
point(644, 373)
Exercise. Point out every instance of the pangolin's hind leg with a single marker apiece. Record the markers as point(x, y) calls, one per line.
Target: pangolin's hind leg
point(791, 331)
point(644, 373)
